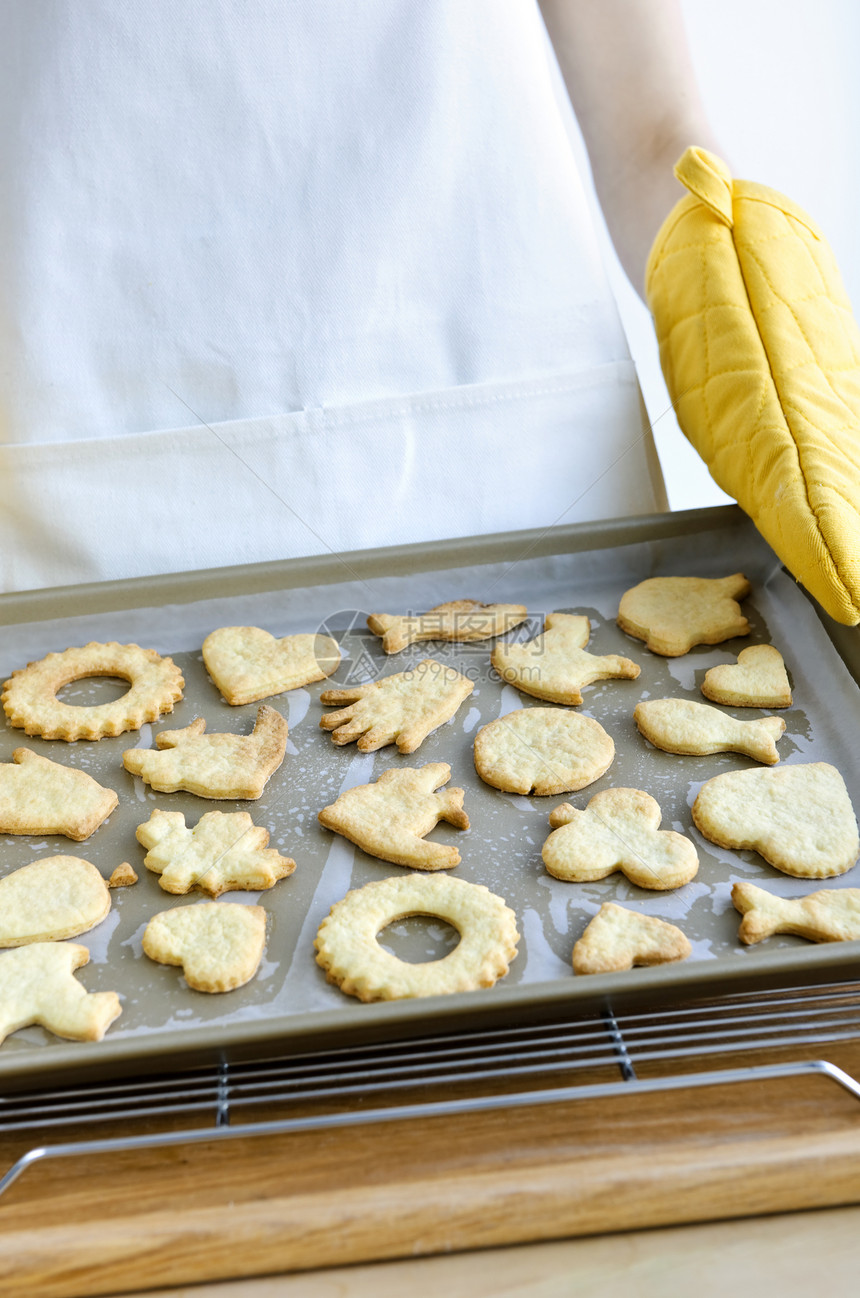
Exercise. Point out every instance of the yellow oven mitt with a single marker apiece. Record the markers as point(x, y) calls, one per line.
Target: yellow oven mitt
point(761, 355)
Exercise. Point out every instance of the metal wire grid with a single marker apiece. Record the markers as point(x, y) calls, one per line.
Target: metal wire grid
point(368, 1076)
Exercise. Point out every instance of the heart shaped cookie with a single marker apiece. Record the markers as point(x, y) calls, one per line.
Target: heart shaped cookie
point(757, 680)
point(247, 663)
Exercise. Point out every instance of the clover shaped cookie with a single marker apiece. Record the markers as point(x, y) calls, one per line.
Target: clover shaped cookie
point(403, 708)
point(618, 830)
point(389, 818)
point(671, 614)
point(555, 665)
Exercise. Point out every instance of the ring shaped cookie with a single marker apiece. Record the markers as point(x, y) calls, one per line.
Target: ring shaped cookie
point(347, 946)
point(29, 696)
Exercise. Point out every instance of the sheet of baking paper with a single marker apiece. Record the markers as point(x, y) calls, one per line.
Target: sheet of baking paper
point(502, 849)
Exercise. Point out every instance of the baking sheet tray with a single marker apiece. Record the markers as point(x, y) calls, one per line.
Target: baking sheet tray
point(289, 1005)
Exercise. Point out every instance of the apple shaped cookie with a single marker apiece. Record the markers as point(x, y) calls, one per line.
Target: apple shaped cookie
point(542, 750)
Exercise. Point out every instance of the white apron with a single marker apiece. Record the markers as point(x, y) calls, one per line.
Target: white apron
point(285, 277)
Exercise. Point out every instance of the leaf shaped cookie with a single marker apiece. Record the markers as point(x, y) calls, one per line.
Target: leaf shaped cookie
point(389, 818)
point(224, 850)
point(671, 614)
point(218, 944)
point(542, 751)
point(248, 664)
point(460, 619)
point(683, 726)
point(618, 830)
point(555, 665)
point(37, 985)
point(799, 818)
point(617, 939)
point(832, 915)
point(757, 680)
point(38, 796)
point(51, 899)
point(213, 766)
point(402, 709)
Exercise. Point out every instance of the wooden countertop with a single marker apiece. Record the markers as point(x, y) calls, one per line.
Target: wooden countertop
point(431, 1187)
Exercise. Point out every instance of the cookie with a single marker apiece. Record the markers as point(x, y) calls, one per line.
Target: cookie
point(832, 915)
point(29, 696)
point(671, 614)
point(757, 680)
point(618, 830)
point(219, 945)
point(38, 986)
point(213, 766)
point(617, 939)
point(38, 796)
point(683, 726)
point(51, 899)
point(799, 818)
point(389, 818)
point(403, 708)
point(542, 751)
point(224, 851)
point(348, 950)
point(460, 619)
point(555, 665)
point(122, 877)
point(247, 663)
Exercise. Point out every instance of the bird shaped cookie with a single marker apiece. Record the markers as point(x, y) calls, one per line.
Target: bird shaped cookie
point(390, 817)
point(555, 665)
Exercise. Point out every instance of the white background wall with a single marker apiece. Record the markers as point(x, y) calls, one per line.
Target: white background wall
point(781, 84)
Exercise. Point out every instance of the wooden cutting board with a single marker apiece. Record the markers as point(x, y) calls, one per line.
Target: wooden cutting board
point(250, 1206)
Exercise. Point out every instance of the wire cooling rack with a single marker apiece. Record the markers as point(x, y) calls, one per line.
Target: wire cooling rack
point(542, 1063)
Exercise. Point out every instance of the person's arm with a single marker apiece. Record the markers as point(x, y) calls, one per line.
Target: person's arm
point(631, 83)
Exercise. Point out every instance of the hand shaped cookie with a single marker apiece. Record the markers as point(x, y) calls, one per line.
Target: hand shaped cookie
point(832, 915)
point(389, 819)
point(38, 796)
point(213, 766)
point(37, 985)
point(460, 619)
point(555, 665)
point(402, 709)
point(618, 830)
point(617, 939)
point(683, 726)
point(671, 614)
point(224, 851)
